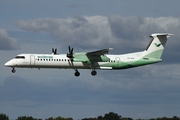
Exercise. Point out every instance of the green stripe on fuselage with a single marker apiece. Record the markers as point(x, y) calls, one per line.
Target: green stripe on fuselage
point(131, 64)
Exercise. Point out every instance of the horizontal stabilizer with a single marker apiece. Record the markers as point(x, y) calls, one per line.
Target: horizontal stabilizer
point(161, 34)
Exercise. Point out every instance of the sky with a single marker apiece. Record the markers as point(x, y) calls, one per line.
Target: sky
point(37, 26)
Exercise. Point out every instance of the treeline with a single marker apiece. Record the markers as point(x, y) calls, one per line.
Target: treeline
point(108, 116)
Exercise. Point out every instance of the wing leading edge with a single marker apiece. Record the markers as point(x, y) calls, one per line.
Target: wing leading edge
point(100, 52)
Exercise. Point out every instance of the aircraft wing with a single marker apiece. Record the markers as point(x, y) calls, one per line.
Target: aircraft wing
point(91, 57)
point(99, 52)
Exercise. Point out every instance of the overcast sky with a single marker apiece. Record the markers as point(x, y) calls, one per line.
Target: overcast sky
point(36, 26)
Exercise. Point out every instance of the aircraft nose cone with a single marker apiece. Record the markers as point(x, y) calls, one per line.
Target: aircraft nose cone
point(8, 64)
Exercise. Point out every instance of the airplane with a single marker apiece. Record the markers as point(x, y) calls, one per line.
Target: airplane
point(93, 60)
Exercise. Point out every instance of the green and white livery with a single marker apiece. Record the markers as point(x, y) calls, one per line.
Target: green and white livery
point(93, 60)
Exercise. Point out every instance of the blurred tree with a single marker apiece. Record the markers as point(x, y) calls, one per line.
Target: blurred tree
point(127, 118)
point(175, 118)
point(89, 119)
point(100, 118)
point(3, 117)
point(27, 118)
point(109, 116)
point(112, 116)
point(59, 118)
point(51, 118)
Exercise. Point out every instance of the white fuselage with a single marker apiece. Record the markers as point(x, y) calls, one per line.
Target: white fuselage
point(93, 60)
point(61, 61)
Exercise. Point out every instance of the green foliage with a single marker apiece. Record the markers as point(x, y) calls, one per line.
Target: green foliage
point(100, 118)
point(51, 118)
point(27, 118)
point(3, 117)
point(112, 116)
point(165, 118)
point(127, 118)
point(59, 118)
point(109, 116)
point(89, 119)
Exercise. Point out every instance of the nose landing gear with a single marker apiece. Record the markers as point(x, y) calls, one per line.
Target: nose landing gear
point(13, 70)
point(77, 73)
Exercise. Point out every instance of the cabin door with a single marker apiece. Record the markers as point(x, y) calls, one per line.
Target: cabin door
point(32, 60)
point(118, 61)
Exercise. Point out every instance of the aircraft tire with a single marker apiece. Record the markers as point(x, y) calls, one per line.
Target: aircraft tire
point(93, 73)
point(77, 73)
point(13, 70)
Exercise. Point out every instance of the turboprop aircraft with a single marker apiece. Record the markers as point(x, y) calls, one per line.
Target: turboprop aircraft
point(93, 60)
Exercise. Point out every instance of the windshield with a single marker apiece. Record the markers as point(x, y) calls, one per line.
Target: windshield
point(20, 57)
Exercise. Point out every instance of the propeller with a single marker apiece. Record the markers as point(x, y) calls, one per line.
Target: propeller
point(54, 51)
point(70, 54)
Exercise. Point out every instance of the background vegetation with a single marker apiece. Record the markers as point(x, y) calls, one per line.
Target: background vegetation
point(108, 116)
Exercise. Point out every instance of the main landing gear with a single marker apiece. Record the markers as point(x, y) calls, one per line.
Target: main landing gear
point(13, 70)
point(77, 73)
point(93, 72)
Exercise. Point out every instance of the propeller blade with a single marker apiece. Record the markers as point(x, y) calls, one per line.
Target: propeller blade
point(70, 54)
point(72, 51)
point(69, 49)
point(54, 51)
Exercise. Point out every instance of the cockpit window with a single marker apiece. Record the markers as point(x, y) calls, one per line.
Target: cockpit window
point(20, 57)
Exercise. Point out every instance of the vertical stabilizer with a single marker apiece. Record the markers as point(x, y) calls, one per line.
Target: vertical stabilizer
point(156, 46)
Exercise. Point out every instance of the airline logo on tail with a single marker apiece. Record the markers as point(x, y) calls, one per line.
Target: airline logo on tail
point(158, 45)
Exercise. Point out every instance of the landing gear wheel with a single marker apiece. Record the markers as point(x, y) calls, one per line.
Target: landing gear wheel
point(93, 73)
point(13, 70)
point(77, 74)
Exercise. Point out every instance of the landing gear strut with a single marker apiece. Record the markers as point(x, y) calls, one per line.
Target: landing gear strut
point(13, 70)
point(93, 72)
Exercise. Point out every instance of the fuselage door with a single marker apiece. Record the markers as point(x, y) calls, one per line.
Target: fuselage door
point(118, 61)
point(32, 60)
